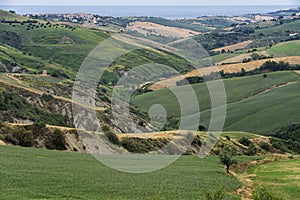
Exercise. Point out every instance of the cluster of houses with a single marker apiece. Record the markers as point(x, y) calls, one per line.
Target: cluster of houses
point(79, 18)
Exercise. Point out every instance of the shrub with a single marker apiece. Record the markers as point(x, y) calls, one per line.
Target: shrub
point(245, 141)
point(201, 128)
point(112, 137)
point(141, 145)
point(56, 140)
point(19, 136)
point(197, 141)
point(265, 146)
point(252, 150)
point(228, 137)
point(47, 97)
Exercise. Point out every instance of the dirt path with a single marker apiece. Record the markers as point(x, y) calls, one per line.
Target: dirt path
point(12, 81)
point(63, 128)
point(246, 191)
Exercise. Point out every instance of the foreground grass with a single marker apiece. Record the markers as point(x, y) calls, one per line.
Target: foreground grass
point(280, 176)
point(40, 174)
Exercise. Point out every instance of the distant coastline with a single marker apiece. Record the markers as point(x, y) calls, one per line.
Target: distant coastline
point(155, 11)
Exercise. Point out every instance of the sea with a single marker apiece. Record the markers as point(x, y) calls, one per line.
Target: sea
point(169, 12)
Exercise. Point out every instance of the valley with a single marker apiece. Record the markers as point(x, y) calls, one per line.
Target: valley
point(44, 153)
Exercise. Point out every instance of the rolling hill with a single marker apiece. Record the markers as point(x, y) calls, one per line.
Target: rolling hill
point(239, 92)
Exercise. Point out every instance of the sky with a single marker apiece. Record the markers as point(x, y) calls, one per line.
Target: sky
point(152, 2)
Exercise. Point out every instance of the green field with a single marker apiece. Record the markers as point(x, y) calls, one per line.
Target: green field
point(236, 90)
point(292, 26)
point(263, 113)
point(40, 174)
point(243, 108)
point(280, 176)
point(223, 56)
point(290, 48)
point(57, 43)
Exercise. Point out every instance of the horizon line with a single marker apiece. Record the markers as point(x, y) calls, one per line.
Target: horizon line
point(149, 5)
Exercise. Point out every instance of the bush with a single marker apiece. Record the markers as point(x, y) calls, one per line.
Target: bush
point(201, 128)
point(265, 146)
point(265, 194)
point(19, 136)
point(141, 145)
point(56, 140)
point(112, 137)
point(197, 141)
point(245, 141)
point(47, 97)
point(252, 150)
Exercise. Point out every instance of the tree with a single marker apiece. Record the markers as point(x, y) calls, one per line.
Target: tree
point(227, 157)
point(245, 141)
point(252, 150)
point(201, 127)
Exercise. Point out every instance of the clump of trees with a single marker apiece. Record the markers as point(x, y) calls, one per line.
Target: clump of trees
point(287, 138)
point(245, 141)
point(269, 66)
point(30, 135)
point(143, 145)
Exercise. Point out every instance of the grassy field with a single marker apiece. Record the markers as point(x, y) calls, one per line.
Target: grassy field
point(57, 43)
point(40, 174)
point(292, 26)
point(224, 56)
point(280, 176)
point(10, 16)
point(290, 48)
point(236, 90)
point(263, 113)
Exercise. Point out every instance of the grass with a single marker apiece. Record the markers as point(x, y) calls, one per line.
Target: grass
point(292, 26)
point(290, 48)
point(9, 56)
point(264, 113)
point(236, 90)
point(40, 174)
point(10, 16)
point(280, 176)
point(49, 43)
point(223, 56)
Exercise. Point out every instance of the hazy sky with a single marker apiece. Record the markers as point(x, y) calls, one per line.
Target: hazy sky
point(152, 2)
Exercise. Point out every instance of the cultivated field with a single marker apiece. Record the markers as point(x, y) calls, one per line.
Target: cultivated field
point(41, 174)
point(291, 48)
point(230, 68)
point(251, 100)
point(241, 45)
point(281, 176)
point(146, 27)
